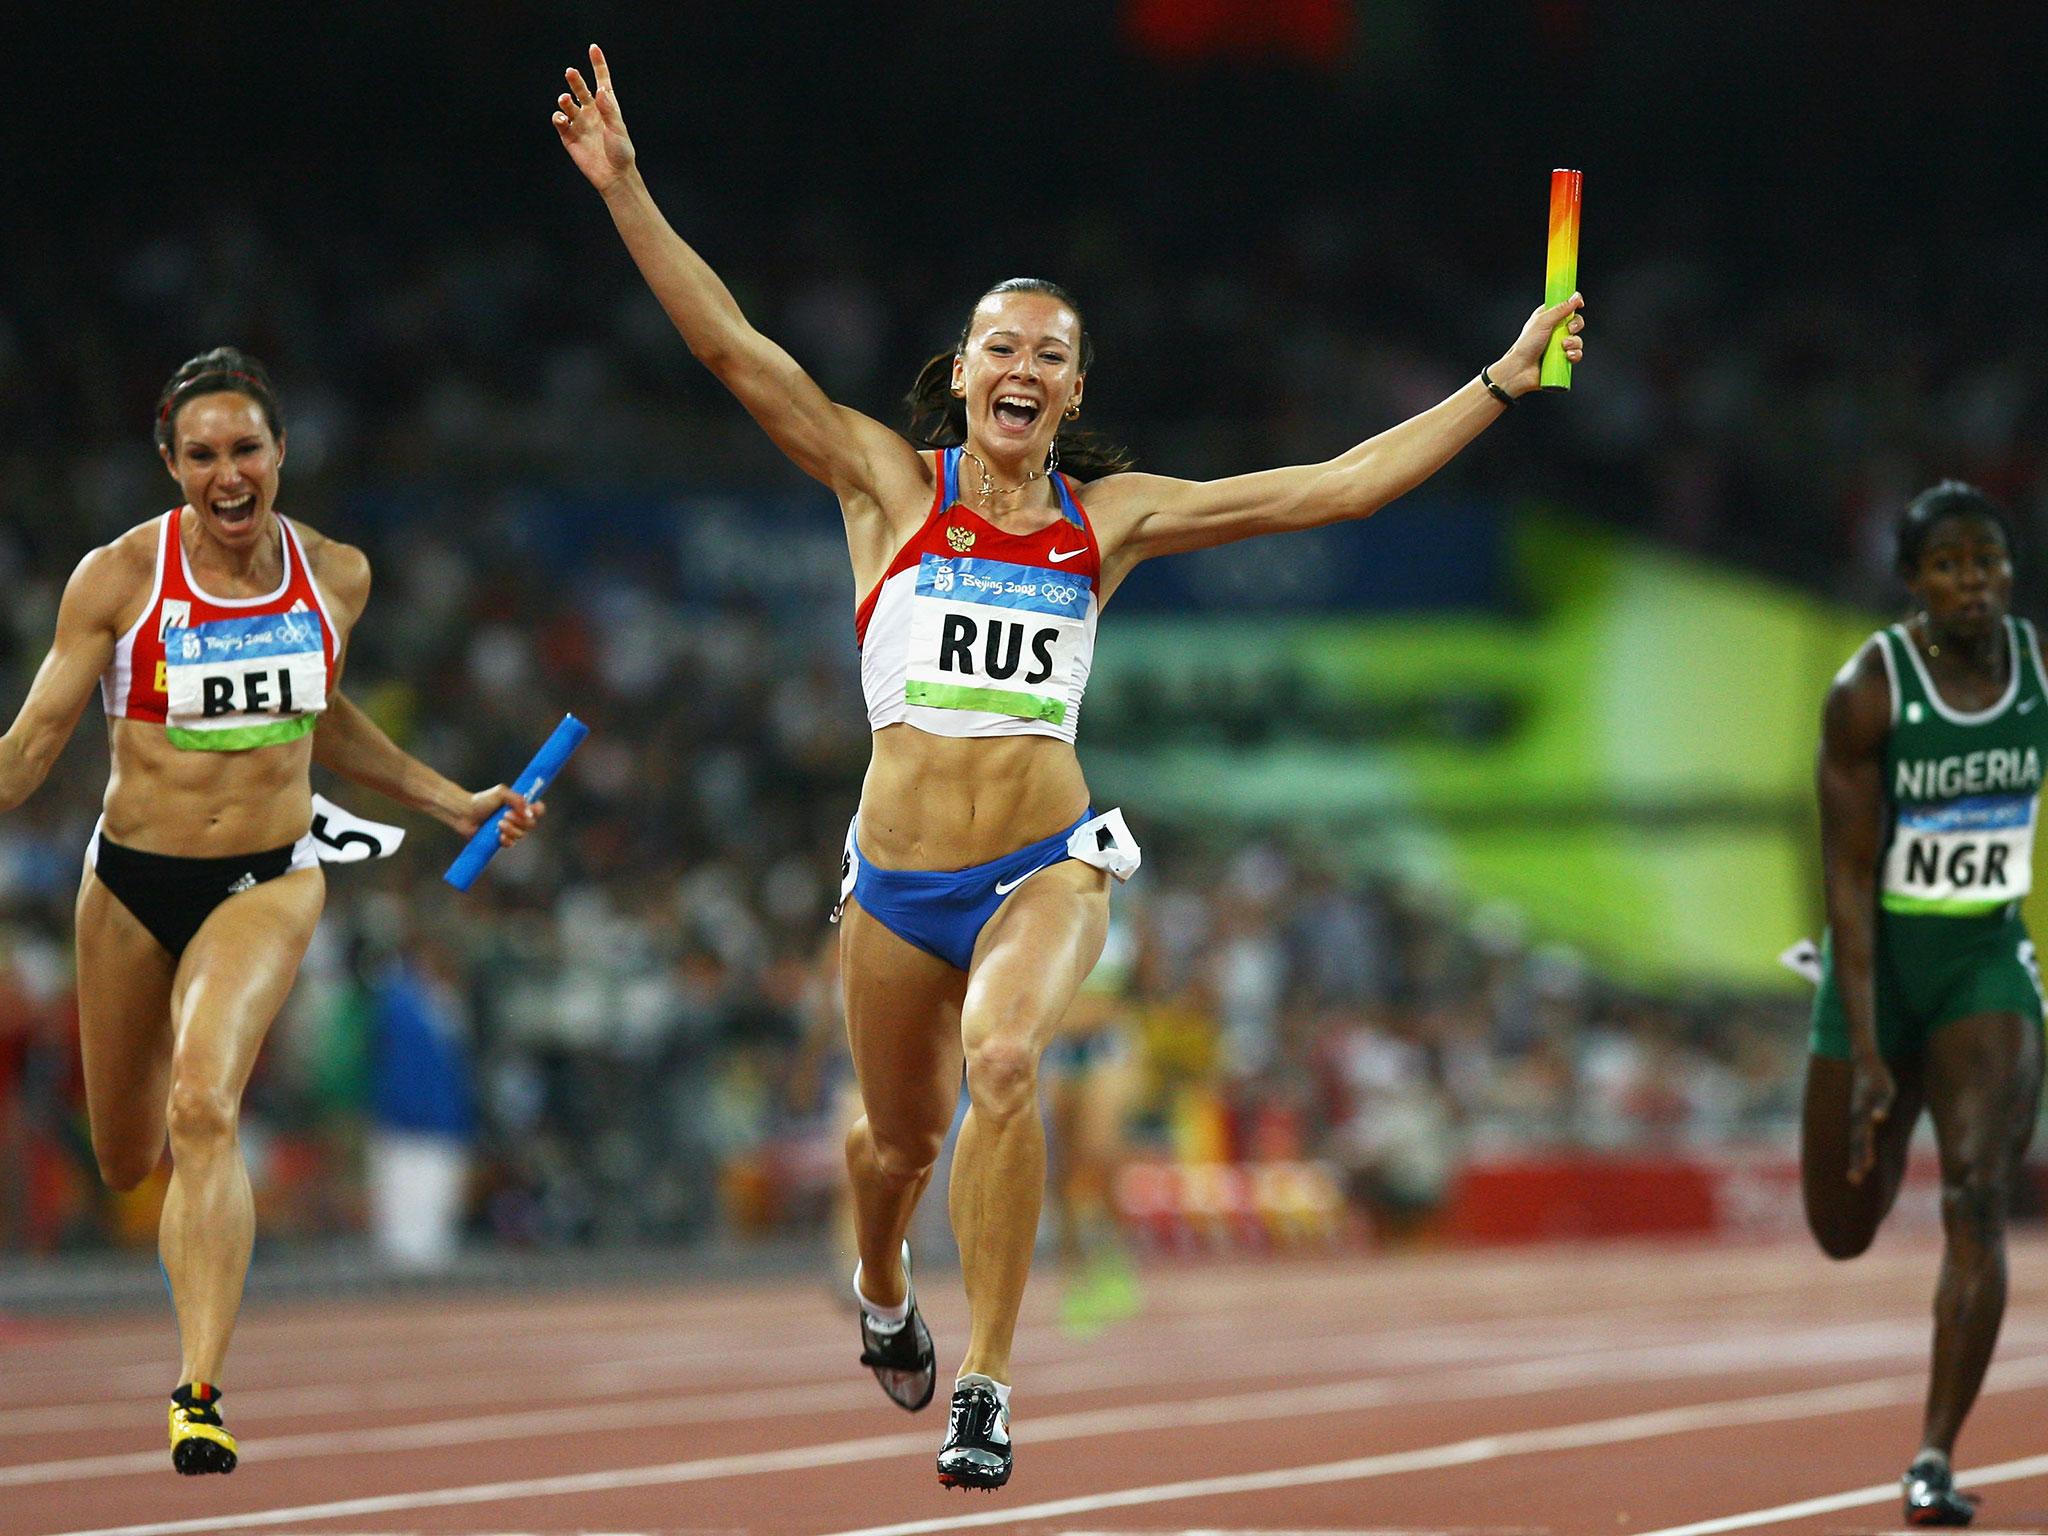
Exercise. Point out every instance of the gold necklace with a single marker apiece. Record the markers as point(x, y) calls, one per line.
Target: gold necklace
point(990, 490)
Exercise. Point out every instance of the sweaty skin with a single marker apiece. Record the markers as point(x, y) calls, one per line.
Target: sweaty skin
point(933, 802)
point(1979, 1076)
point(168, 1044)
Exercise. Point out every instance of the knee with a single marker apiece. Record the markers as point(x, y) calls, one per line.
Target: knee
point(901, 1157)
point(200, 1116)
point(1973, 1203)
point(1002, 1076)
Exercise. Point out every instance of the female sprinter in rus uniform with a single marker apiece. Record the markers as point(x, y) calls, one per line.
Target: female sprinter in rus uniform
point(977, 886)
point(1930, 777)
point(216, 634)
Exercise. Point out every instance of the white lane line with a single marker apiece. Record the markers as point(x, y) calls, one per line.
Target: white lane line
point(1509, 1295)
point(1877, 1392)
point(690, 1353)
point(1101, 1367)
point(1845, 1345)
point(539, 1423)
point(1855, 1498)
point(1882, 1392)
point(598, 1357)
point(671, 1367)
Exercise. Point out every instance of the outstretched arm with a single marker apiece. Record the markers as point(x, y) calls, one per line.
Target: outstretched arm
point(348, 742)
point(1139, 516)
point(850, 452)
point(63, 685)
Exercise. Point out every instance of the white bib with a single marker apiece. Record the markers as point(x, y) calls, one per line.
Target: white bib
point(1976, 853)
point(233, 684)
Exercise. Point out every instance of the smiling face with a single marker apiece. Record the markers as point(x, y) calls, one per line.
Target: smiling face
point(226, 461)
point(1019, 372)
point(1964, 578)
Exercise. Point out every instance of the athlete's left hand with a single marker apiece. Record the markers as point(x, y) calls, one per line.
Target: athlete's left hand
point(521, 819)
point(1521, 366)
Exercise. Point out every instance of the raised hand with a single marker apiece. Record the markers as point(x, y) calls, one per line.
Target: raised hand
point(1521, 366)
point(591, 127)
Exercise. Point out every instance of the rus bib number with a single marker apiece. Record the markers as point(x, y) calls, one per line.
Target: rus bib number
point(994, 636)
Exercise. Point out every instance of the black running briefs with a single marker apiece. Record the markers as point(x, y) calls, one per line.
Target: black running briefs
point(173, 897)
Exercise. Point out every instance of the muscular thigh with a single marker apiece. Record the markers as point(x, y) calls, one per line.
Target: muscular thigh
point(902, 1024)
point(1034, 954)
point(1984, 1088)
point(236, 973)
point(124, 1016)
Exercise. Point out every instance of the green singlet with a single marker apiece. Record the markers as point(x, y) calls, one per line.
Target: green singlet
point(1961, 792)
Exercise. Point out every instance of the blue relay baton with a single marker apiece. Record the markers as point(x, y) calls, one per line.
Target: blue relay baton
point(534, 778)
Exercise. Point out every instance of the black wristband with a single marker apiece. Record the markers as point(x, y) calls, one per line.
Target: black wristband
point(1494, 389)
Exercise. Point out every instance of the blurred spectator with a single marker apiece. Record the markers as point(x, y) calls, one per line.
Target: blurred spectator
point(564, 509)
point(422, 1106)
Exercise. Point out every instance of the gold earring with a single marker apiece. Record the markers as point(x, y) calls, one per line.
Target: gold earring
point(959, 393)
point(1073, 410)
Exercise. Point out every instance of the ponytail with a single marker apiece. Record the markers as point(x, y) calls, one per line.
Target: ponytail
point(938, 417)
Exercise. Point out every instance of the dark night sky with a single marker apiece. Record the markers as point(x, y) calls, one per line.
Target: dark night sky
point(1791, 133)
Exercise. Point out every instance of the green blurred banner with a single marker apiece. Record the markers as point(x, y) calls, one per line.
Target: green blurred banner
point(1628, 756)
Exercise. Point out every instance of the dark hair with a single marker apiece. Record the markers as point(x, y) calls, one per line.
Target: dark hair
point(1935, 506)
point(938, 417)
point(224, 368)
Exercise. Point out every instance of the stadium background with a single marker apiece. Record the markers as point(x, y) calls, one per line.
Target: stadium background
point(1471, 832)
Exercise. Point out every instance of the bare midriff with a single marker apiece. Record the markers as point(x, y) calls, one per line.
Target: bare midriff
point(946, 802)
point(205, 805)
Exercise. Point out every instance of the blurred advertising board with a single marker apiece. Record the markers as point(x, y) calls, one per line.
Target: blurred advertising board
point(1623, 748)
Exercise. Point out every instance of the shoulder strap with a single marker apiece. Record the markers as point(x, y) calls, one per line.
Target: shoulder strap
point(302, 575)
point(2031, 642)
point(949, 481)
point(1070, 509)
point(170, 558)
point(1899, 663)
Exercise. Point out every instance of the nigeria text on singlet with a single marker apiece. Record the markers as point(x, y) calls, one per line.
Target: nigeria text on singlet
point(225, 674)
point(973, 631)
point(1962, 787)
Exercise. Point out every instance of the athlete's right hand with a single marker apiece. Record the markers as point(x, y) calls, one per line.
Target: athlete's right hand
point(1870, 1102)
point(592, 129)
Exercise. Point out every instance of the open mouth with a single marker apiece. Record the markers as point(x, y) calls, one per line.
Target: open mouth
point(238, 512)
point(1015, 412)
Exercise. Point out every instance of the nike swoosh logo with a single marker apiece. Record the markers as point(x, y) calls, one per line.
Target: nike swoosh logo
point(2027, 704)
point(1004, 887)
point(1067, 554)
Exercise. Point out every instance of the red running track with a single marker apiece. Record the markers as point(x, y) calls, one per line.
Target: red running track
point(1556, 1392)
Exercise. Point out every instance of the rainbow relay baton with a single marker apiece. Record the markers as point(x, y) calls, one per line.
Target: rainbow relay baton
point(534, 778)
point(1561, 270)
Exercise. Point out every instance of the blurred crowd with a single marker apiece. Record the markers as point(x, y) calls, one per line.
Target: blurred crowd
point(1781, 428)
point(629, 1032)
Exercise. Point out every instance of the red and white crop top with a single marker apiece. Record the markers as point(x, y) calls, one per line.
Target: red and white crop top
point(225, 674)
point(976, 632)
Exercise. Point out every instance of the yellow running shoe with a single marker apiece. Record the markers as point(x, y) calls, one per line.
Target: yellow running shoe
point(199, 1442)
